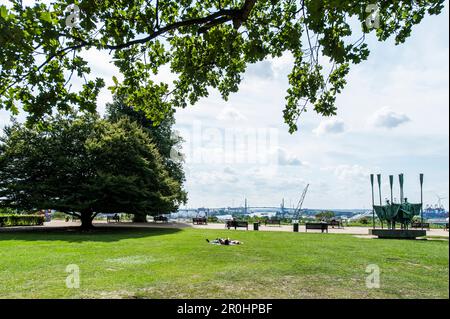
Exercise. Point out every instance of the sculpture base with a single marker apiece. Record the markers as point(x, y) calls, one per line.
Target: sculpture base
point(398, 233)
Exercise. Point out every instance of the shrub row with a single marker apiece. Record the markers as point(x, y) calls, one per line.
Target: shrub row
point(21, 220)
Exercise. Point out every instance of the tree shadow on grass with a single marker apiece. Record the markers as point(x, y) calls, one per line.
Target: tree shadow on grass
point(75, 234)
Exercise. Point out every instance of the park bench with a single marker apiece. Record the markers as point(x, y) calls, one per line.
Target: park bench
point(420, 225)
point(162, 219)
point(115, 218)
point(446, 227)
point(236, 223)
point(336, 223)
point(320, 226)
point(274, 221)
point(200, 221)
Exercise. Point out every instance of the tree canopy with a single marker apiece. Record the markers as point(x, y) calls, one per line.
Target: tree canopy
point(82, 165)
point(206, 43)
point(166, 140)
point(163, 134)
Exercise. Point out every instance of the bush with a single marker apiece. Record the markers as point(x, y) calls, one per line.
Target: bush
point(59, 215)
point(212, 219)
point(21, 220)
point(364, 220)
point(325, 216)
point(7, 211)
point(416, 219)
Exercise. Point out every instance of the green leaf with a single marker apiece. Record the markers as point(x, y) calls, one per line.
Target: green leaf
point(46, 16)
point(3, 12)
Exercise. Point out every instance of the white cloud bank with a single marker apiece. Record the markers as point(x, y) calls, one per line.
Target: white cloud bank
point(286, 159)
point(230, 114)
point(330, 126)
point(388, 118)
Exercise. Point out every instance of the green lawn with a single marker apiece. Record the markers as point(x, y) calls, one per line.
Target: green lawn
point(169, 263)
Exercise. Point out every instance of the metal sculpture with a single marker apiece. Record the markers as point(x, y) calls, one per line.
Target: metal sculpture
point(373, 200)
point(393, 213)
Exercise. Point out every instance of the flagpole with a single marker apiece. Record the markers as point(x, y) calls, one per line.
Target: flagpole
point(400, 178)
point(391, 182)
point(379, 188)
point(379, 192)
point(421, 200)
point(373, 202)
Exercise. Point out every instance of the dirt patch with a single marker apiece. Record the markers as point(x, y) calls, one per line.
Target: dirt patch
point(365, 236)
point(132, 260)
point(284, 287)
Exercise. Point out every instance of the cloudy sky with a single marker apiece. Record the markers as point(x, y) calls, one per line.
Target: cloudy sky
point(392, 118)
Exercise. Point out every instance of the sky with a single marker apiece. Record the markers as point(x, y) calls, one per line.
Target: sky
point(393, 117)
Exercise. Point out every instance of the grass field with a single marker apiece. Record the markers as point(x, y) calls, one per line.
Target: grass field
point(169, 263)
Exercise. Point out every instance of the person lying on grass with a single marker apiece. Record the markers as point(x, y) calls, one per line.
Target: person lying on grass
point(227, 241)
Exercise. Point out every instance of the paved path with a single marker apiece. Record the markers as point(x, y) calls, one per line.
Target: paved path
point(285, 228)
point(345, 230)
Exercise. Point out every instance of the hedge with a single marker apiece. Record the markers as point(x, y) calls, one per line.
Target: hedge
point(21, 220)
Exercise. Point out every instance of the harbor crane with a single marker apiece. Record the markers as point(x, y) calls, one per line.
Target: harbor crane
point(298, 210)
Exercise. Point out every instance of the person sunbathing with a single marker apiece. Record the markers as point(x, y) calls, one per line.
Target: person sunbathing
point(226, 241)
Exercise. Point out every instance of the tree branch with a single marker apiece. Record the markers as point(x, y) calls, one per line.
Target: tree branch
point(157, 14)
point(231, 13)
point(72, 214)
point(244, 13)
point(238, 16)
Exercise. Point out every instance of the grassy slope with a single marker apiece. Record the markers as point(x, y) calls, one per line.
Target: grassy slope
point(162, 263)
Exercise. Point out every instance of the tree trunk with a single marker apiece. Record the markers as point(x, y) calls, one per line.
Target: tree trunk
point(139, 218)
point(86, 220)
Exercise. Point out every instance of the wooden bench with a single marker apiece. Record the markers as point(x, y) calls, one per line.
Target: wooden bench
point(200, 221)
point(274, 221)
point(162, 219)
point(336, 223)
point(236, 223)
point(320, 226)
point(113, 218)
point(420, 225)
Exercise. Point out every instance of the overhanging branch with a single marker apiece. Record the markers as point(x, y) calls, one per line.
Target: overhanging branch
point(229, 14)
point(238, 16)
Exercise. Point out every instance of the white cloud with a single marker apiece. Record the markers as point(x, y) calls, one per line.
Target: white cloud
point(229, 171)
point(230, 114)
point(285, 159)
point(351, 173)
point(388, 118)
point(262, 70)
point(213, 178)
point(330, 126)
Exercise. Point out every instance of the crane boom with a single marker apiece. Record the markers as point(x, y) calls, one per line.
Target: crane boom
point(300, 202)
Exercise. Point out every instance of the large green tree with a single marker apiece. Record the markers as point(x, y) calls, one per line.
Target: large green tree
point(82, 165)
point(207, 44)
point(163, 135)
point(166, 139)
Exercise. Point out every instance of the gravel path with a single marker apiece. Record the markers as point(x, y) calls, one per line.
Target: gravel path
point(285, 228)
